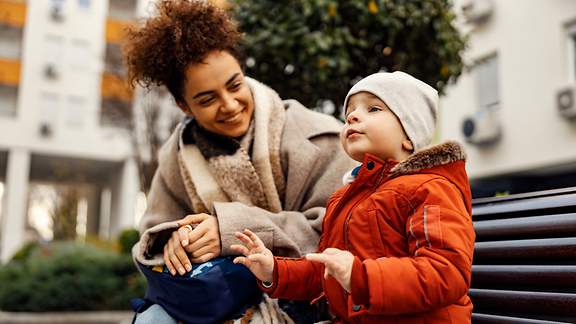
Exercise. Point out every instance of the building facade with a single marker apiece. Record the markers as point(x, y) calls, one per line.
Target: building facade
point(515, 106)
point(65, 111)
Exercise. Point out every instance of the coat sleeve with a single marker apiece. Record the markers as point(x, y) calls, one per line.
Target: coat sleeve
point(166, 201)
point(292, 275)
point(437, 272)
point(162, 204)
point(290, 233)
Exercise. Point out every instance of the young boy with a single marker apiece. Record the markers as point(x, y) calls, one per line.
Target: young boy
point(397, 242)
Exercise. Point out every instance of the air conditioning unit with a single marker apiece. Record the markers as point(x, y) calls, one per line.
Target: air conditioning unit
point(566, 101)
point(483, 128)
point(50, 71)
point(56, 12)
point(477, 11)
point(45, 130)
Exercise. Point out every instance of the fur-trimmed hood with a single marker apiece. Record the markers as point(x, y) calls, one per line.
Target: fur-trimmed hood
point(446, 160)
point(429, 158)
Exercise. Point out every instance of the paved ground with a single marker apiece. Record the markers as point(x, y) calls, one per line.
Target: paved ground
point(112, 317)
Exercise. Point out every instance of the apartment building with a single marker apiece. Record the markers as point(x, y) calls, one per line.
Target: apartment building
point(515, 107)
point(64, 109)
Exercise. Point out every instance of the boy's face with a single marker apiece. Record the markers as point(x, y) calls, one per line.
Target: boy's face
point(371, 127)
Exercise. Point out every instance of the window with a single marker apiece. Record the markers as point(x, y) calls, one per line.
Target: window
point(115, 113)
point(80, 55)
point(10, 42)
point(8, 100)
point(122, 10)
point(571, 35)
point(113, 62)
point(1, 202)
point(76, 112)
point(487, 83)
point(84, 4)
point(53, 51)
point(48, 114)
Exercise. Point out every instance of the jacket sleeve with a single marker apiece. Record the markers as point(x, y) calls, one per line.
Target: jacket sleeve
point(296, 279)
point(437, 272)
point(167, 200)
point(290, 233)
point(162, 204)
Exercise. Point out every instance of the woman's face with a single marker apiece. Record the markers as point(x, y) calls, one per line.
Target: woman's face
point(217, 96)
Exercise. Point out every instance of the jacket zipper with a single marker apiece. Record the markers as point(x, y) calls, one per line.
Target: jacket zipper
point(349, 215)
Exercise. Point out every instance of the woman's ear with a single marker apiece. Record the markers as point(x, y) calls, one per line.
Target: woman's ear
point(184, 107)
point(407, 145)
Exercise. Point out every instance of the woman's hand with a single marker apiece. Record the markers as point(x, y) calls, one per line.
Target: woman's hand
point(189, 244)
point(203, 242)
point(256, 257)
point(337, 263)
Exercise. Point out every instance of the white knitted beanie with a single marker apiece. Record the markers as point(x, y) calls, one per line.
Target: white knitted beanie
point(414, 102)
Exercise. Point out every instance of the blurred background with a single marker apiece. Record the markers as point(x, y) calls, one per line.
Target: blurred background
point(78, 145)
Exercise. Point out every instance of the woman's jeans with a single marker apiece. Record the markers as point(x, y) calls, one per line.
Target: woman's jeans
point(155, 314)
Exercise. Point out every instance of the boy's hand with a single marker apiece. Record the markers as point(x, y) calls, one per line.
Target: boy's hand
point(337, 263)
point(256, 257)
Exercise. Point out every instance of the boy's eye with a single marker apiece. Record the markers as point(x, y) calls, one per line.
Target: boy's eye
point(374, 108)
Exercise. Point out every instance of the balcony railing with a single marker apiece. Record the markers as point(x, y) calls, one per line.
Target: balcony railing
point(115, 87)
point(115, 30)
point(12, 13)
point(9, 72)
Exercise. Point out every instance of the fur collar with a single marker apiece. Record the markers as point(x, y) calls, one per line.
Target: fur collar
point(430, 157)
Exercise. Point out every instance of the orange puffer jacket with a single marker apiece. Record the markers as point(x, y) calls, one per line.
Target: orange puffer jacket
point(409, 226)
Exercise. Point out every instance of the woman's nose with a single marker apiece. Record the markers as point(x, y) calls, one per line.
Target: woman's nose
point(229, 103)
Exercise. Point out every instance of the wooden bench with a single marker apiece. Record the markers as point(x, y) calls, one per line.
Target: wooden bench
point(524, 268)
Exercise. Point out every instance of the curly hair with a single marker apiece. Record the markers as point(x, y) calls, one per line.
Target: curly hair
point(182, 33)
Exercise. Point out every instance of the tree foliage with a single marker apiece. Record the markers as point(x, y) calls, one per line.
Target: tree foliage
point(314, 50)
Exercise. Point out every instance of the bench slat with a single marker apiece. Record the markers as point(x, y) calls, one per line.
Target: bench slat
point(564, 248)
point(496, 319)
point(536, 226)
point(549, 276)
point(524, 267)
point(524, 302)
point(526, 207)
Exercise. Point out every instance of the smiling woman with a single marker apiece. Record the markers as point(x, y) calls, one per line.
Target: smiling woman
point(243, 158)
point(217, 96)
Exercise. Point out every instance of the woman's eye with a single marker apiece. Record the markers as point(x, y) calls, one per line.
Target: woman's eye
point(206, 102)
point(235, 86)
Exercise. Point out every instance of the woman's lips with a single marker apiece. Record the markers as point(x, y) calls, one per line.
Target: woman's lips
point(234, 118)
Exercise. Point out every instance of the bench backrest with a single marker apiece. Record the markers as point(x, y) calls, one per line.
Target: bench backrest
point(524, 268)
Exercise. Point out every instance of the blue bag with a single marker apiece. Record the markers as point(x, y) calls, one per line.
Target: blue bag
point(212, 292)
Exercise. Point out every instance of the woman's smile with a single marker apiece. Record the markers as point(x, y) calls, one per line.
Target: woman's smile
point(235, 118)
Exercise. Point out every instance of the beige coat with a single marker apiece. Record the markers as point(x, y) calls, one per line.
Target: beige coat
point(313, 164)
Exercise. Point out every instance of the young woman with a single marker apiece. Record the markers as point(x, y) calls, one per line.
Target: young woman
point(243, 159)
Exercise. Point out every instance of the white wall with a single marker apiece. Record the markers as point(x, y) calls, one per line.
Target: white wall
point(71, 102)
point(530, 40)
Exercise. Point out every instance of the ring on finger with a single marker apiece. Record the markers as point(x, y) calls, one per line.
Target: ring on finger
point(189, 227)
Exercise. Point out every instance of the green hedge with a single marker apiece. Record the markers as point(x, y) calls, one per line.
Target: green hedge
point(66, 276)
